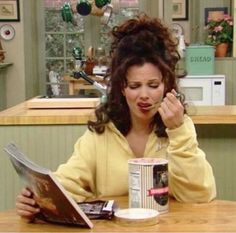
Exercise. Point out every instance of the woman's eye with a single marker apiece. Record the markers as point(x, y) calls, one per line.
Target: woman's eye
point(154, 85)
point(133, 86)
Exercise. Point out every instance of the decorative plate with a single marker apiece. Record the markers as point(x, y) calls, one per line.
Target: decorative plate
point(177, 29)
point(7, 32)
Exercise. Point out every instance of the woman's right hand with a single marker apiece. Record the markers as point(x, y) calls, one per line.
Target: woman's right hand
point(26, 205)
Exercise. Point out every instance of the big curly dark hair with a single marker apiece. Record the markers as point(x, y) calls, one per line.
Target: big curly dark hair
point(135, 42)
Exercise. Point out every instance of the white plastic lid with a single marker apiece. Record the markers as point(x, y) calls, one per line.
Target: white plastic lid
point(137, 216)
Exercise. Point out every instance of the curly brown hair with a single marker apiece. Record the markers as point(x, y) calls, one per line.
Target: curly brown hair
point(135, 42)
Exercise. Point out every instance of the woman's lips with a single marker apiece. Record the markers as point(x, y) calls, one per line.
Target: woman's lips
point(144, 106)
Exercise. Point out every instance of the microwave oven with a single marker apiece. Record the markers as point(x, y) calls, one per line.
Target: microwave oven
point(203, 89)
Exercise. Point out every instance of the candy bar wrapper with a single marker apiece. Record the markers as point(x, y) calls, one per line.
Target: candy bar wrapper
point(98, 209)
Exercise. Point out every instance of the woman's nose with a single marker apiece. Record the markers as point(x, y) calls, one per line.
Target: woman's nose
point(143, 93)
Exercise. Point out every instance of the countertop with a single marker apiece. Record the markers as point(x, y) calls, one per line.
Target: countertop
point(21, 115)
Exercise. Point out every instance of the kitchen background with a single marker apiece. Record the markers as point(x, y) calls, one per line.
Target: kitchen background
point(43, 42)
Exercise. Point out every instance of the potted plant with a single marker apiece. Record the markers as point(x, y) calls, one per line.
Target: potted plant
point(219, 33)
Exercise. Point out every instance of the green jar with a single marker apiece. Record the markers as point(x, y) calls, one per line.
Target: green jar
point(66, 13)
point(77, 53)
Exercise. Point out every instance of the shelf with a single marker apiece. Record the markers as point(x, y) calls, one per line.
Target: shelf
point(4, 65)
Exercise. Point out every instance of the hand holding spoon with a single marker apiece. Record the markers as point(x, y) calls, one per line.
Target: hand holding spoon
point(177, 95)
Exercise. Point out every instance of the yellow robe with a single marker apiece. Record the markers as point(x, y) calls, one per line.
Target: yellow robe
point(99, 167)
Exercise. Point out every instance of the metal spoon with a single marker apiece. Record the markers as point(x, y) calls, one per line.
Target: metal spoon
point(177, 95)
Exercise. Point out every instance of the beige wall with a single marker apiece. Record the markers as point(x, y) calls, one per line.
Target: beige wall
point(15, 78)
point(22, 79)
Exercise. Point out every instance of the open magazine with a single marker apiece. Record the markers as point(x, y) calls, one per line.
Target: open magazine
point(55, 203)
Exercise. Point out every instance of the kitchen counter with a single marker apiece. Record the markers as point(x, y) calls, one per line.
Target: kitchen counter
point(213, 114)
point(21, 115)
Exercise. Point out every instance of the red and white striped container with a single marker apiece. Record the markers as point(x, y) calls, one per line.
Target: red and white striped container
point(148, 184)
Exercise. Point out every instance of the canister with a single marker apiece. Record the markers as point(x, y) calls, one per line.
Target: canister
point(200, 60)
point(148, 184)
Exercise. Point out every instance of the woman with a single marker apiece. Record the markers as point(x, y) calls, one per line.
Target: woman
point(141, 118)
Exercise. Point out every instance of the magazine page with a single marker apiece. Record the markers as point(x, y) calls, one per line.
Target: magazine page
point(55, 203)
point(18, 155)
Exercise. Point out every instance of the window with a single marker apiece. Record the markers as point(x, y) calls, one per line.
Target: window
point(127, 9)
point(62, 37)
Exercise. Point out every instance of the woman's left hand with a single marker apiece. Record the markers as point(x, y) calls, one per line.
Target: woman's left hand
point(171, 111)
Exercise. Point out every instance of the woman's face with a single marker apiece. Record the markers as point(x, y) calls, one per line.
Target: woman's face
point(144, 91)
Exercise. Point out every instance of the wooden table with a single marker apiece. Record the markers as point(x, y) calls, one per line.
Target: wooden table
point(217, 216)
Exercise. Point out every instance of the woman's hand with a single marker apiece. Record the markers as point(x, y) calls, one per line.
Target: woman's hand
point(26, 205)
point(171, 111)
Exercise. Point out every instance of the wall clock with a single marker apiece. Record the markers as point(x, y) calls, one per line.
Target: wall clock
point(7, 32)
